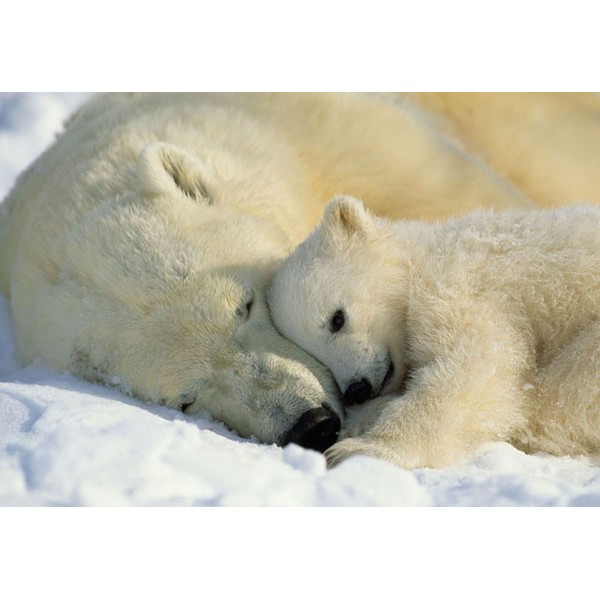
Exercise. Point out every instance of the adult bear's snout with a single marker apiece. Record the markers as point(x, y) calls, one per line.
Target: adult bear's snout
point(317, 429)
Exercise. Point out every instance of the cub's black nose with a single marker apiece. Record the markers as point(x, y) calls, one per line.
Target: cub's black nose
point(358, 391)
point(316, 429)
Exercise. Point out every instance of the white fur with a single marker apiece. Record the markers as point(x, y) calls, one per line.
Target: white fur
point(545, 144)
point(492, 321)
point(130, 249)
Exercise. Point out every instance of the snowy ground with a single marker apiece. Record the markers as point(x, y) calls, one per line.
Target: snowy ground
point(67, 442)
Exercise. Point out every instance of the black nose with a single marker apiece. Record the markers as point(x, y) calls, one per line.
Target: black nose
point(316, 429)
point(358, 391)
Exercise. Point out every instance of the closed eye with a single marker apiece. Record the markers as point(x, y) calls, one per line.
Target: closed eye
point(245, 308)
point(185, 405)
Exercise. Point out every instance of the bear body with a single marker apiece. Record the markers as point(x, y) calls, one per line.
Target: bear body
point(136, 251)
point(545, 144)
point(443, 336)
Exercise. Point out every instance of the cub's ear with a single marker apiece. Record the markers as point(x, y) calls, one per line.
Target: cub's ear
point(167, 169)
point(347, 216)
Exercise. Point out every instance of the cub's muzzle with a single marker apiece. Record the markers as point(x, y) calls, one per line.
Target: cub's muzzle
point(358, 392)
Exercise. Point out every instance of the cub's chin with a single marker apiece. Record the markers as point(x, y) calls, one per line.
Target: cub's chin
point(395, 379)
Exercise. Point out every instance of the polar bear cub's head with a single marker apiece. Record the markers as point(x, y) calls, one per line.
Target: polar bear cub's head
point(339, 297)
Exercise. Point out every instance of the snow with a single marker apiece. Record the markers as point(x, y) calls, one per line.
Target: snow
point(67, 442)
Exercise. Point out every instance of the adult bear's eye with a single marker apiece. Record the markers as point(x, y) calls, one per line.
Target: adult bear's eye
point(246, 306)
point(185, 405)
point(337, 321)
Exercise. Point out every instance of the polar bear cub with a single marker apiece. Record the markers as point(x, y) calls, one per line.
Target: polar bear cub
point(444, 336)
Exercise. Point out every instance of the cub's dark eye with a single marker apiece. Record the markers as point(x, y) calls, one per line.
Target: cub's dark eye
point(249, 305)
point(337, 321)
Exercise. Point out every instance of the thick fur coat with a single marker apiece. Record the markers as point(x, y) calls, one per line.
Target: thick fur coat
point(482, 328)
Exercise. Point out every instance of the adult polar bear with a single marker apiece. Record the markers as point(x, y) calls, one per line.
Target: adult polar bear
point(137, 250)
point(545, 144)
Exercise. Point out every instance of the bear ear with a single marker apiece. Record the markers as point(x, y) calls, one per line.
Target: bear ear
point(167, 169)
point(348, 216)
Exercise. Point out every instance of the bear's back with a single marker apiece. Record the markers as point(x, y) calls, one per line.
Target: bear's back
point(540, 268)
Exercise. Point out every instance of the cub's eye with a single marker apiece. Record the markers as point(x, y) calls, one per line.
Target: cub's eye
point(337, 321)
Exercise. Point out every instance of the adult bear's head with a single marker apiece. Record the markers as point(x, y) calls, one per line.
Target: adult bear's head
point(169, 284)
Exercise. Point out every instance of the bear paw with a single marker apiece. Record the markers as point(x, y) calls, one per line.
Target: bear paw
point(363, 418)
point(375, 448)
point(353, 446)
